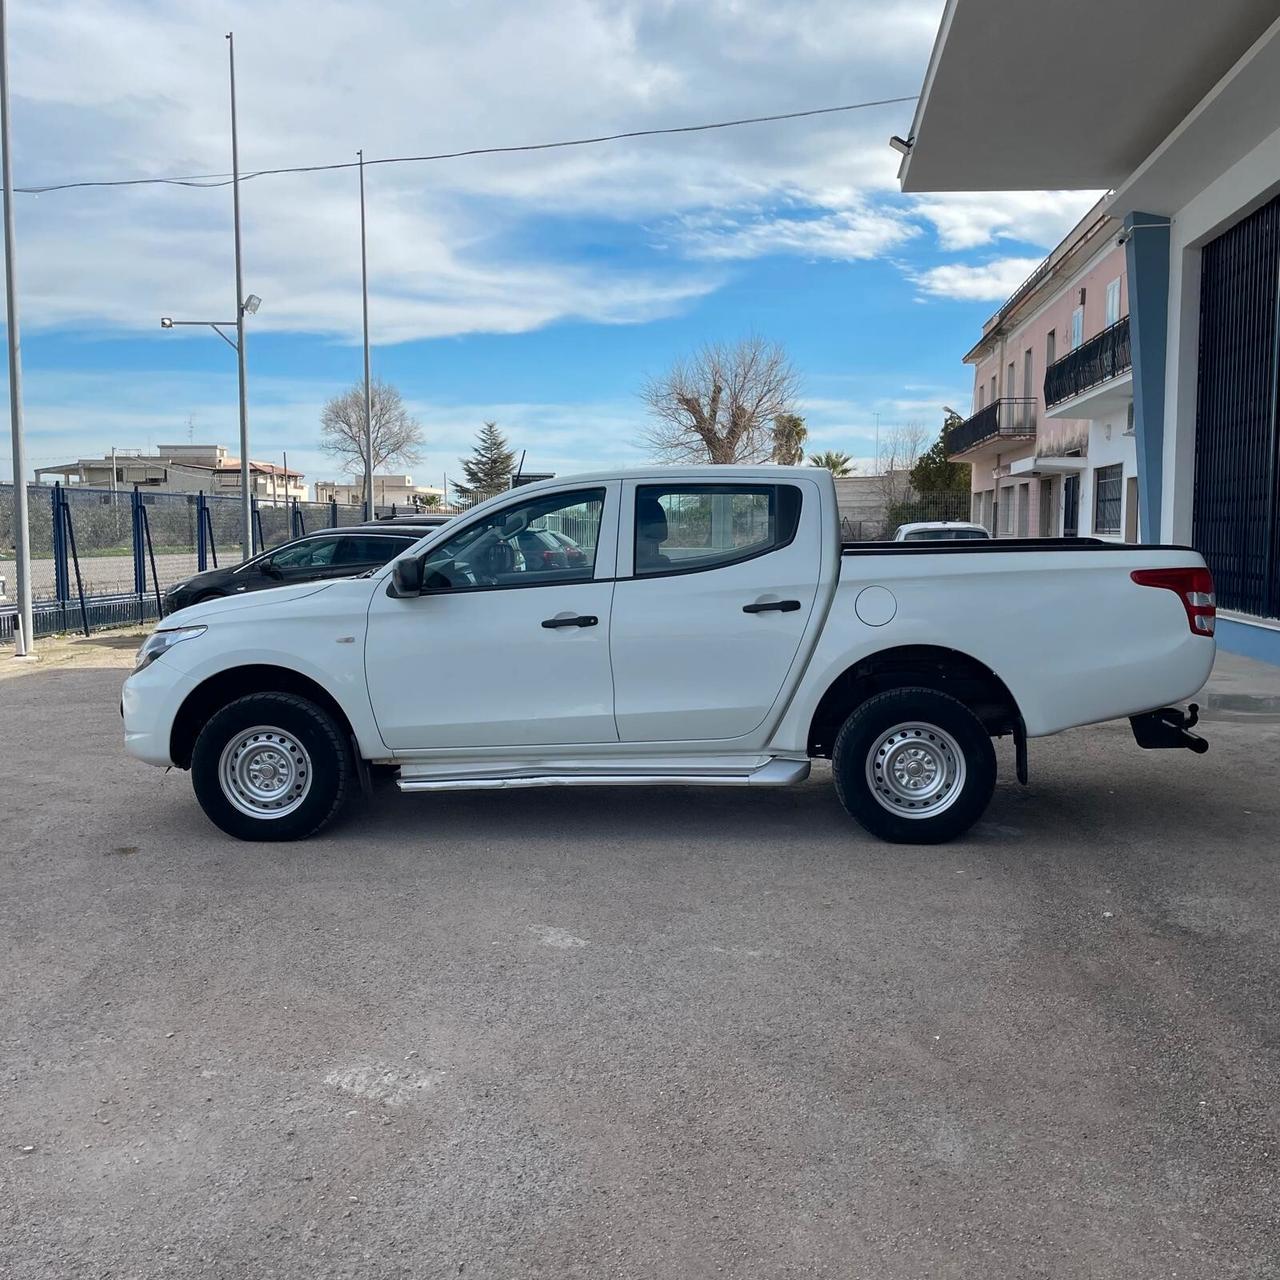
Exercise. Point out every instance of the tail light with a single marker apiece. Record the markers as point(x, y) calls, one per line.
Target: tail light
point(1194, 587)
point(549, 559)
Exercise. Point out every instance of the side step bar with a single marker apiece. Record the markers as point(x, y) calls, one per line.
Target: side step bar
point(776, 773)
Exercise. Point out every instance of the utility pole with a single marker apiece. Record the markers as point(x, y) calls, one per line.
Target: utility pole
point(246, 498)
point(21, 522)
point(368, 395)
point(877, 444)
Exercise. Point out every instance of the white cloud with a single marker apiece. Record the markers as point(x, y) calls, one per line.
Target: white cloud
point(106, 88)
point(841, 236)
point(988, 282)
point(967, 220)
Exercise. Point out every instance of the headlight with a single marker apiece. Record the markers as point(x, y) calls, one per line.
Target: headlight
point(159, 642)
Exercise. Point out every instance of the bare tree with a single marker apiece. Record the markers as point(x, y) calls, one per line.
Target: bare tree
point(900, 450)
point(720, 404)
point(397, 436)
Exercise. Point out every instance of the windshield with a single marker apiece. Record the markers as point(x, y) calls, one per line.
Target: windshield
point(943, 535)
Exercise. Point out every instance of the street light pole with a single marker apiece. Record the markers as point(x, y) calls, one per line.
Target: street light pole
point(21, 523)
point(368, 394)
point(246, 498)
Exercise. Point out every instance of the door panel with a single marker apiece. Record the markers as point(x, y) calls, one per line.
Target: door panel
point(688, 663)
point(478, 668)
point(487, 657)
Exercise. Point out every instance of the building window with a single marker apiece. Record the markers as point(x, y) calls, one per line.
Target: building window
point(1108, 488)
point(982, 391)
point(1028, 374)
point(1113, 301)
point(1051, 347)
point(1011, 381)
point(1077, 327)
point(993, 389)
point(1006, 509)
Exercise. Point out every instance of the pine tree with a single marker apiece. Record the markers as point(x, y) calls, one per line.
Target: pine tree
point(934, 472)
point(491, 463)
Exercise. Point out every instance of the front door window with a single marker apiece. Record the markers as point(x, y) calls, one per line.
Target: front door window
point(543, 541)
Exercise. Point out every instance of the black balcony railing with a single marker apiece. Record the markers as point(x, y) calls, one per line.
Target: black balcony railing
point(1005, 417)
point(1104, 356)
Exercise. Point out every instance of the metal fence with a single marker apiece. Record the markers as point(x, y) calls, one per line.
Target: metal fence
point(103, 557)
point(909, 509)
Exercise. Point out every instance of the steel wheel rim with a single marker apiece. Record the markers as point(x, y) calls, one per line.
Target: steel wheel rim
point(916, 770)
point(265, 772)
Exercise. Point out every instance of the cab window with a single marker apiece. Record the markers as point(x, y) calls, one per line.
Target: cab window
point(545, 539)
point(683, 528)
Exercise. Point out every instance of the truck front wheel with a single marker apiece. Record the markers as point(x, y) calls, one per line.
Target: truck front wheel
point(914, 766)
point(271, 766)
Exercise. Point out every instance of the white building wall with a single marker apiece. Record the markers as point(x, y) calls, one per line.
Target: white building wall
point(1249, 183)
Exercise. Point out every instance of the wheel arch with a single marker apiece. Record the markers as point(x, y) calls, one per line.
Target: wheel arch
point(224, 687)
point(925, 666)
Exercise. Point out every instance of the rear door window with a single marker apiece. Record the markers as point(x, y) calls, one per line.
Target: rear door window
point(687, 528)
point(370, 550)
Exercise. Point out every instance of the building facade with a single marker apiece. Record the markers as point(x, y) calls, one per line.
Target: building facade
point(1050, 442)
point(1177, 117)
point(179, 468)
point(388, 491)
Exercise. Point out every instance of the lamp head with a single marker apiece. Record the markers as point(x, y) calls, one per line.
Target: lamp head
point(166, 322)
point(251, 304)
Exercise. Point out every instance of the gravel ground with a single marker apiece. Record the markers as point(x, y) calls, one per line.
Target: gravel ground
point(641, 1034)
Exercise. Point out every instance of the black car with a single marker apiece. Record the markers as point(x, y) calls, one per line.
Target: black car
point(332, 553)
point(422, 520)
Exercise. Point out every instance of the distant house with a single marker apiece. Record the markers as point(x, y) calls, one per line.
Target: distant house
point(179, 468)
point(388, 491)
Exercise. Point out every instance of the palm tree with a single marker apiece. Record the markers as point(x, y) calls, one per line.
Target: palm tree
point(839, 464)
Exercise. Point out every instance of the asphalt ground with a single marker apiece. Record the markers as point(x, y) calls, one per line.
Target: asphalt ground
point(630, 1033)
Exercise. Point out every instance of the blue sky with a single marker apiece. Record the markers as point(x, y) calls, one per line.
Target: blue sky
point(537, 290)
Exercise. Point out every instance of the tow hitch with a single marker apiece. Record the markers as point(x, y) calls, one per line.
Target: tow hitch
point(1169, 727)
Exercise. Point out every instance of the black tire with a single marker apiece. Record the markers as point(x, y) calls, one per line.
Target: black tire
point(944, 729)
point(318, 761)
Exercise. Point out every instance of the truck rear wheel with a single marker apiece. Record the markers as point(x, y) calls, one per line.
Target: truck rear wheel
point(271, 766)
point(914, 766)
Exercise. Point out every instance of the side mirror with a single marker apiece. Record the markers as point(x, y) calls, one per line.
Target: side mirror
point(406, 578)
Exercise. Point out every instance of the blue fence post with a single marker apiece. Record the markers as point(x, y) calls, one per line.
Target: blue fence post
point(61, 579)
point(202, 545)
point(255, 526)
point(139, 557)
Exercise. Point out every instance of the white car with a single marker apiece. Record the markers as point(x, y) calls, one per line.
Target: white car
point(939, 531)
point(715, 633)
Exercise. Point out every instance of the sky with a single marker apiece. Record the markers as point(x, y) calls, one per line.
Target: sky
point(538, 290)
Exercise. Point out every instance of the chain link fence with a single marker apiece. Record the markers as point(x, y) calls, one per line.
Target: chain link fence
point(120, 549)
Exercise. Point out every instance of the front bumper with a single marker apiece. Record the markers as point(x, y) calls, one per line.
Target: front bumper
point(149, 703)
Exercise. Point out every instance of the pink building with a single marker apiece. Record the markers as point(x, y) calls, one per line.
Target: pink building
point(1050, 440)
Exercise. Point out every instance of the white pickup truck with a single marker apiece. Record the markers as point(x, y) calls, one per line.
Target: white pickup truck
point(698, 626)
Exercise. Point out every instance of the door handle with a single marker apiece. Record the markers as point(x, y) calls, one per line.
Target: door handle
point(582, 620)
point(772, 606)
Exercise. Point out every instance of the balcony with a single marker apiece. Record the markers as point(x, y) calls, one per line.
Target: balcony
point(1001, 421)
point(1092, 380)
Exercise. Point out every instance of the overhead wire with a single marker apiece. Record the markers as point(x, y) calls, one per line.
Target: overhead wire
point(210, 180)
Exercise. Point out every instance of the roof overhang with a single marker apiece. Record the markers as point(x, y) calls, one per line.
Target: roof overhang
point(1047, 466)
point(1025, 97)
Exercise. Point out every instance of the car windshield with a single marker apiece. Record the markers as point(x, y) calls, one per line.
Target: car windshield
point(942, 535)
